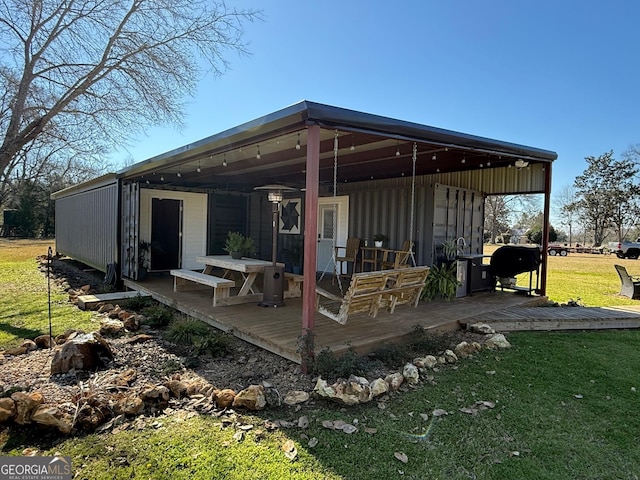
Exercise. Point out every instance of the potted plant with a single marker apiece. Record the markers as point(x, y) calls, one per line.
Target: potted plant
point(379, 239)
point(237, 245)
point(295, 251)
point(442, 282)
point(144, 258)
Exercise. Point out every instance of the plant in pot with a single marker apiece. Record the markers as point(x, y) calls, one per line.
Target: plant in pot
point(379, 239)
point(144, 258)
point(295, 251)
point(442, 282)
point(237, 245)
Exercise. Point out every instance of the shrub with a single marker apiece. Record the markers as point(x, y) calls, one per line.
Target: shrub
point(157, 315)
point(215, 344)
point(392, 354)
point(328, 365)
point(138, 303)
point(186, 331)
point(424, 342)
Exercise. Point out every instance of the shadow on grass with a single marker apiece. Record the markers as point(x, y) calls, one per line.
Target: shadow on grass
point(19, 332)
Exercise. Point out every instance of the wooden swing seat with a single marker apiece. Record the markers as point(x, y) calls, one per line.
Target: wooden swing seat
point(369, 291)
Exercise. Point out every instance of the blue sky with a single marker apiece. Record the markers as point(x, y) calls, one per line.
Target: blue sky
point(550, 74)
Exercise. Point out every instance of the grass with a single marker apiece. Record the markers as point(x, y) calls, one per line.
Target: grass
point(24, 307)
point(565, 407)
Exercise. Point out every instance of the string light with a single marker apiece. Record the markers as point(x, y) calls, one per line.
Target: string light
point(161, 178)
point(198, 169)
point(298, 143)
point(224, 160)
point(434, 157)
point(179, 174)
point(464, 160)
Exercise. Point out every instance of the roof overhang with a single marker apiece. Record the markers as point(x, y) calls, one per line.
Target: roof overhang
point(265, 150)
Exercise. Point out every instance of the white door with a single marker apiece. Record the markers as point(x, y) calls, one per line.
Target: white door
point(328, 207)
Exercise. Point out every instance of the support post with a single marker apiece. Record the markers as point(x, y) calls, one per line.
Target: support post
point(310, 244)
point(545, 224)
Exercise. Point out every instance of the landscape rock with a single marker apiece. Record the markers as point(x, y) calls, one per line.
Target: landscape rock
point(44, 341)
point(450, 356)
point(411, 374)
point(25, 405)
point(425, 362)
point(497, 340)
point(15, 351)
point(111, 328)
point(132, 323)
point(482, 328)
point(467, 349)
point(105, 308)
point(82, 352)
point(272, 395)
point(130, 404)
point(394, 380)
point(30, 345)
point(224, 398)
point(378, 387)
point(295, 397)
point(155, 393)
point(352, 391)
point(7, 409)
point(89, 417)
point(52, 417)
point(126, 378)
point(251, 397)
point(177, 387)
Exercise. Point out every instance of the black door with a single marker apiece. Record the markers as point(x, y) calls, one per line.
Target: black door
point(166, 228)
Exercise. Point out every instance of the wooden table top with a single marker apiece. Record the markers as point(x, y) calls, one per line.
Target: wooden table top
point(245, 264)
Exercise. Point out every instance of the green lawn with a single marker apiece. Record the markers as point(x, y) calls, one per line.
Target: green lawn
point(565, 406)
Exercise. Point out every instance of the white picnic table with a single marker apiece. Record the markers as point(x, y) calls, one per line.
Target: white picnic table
point(249, 268)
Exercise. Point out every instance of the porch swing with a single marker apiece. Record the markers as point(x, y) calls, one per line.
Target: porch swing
point(368, 291)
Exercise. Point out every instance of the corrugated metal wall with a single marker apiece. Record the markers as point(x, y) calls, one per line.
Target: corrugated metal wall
point(87, 226)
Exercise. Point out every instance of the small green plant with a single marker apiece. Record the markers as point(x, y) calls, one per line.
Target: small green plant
point(137, 303)
point(425, 342)
point(442, 282)
point(186, 331)
point(450, 249)
point(392, 355)
point(171, 366)
point(215, 344)
point(379, 237)
point(157, 315)
point(328, 365)
point(238, 243)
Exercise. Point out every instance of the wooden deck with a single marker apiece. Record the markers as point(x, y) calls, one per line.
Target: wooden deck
point(278, 329)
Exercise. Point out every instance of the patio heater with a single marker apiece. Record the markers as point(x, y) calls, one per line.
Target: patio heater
point(273, 287)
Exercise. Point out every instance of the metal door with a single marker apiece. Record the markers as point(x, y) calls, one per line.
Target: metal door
point(130, 230)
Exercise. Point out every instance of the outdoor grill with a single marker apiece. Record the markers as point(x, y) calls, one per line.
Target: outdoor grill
point(511, 260)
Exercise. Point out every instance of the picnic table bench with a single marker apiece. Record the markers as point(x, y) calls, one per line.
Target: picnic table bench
point(221, 286)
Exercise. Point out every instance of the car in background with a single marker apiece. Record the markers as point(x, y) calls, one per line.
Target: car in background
point(556, 249)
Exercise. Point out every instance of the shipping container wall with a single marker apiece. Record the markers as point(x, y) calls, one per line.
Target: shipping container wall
point(87, 226)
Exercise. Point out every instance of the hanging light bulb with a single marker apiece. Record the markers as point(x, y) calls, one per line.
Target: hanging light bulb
point(161, 178)
point(147, 182)
point(464, 160)
point(198, 169)
point(298, 143)
point(258, 154)
point(488, 163)
point(224, 160)
point(353, 147)
point(179, 174)
point(397, 151)
point(434, 157)
point(481, 165)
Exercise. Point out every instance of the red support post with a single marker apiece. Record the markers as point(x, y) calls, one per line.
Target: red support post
point(310, 244)
point(545, 230)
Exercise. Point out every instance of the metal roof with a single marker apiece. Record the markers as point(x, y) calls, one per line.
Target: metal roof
point(265, 150)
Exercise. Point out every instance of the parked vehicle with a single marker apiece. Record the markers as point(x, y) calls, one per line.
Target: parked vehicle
point(554, 250)
point(627, 249)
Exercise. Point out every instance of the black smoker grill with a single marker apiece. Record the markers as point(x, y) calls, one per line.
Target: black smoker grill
point(511, 260)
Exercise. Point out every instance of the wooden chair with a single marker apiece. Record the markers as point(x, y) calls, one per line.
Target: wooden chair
point(350, 255)
point(395, 259)
point(630, 284)
point(363, 296)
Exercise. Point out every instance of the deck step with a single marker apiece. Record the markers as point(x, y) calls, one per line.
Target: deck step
point(87, 302)
point(561, 318)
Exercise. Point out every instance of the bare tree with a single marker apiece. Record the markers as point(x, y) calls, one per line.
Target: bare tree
point(78, 76)
point(567, 207)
